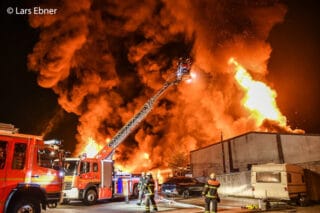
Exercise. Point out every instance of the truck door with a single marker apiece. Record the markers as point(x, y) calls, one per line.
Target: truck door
point(106, 169)
point(3, 162)
point(16, 171)
point(12, 168)
point(95, 174)
point(83, 174)
point(4, 189)
point(90, 171)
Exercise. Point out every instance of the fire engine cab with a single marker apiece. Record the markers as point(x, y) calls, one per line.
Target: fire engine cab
point(29, 181)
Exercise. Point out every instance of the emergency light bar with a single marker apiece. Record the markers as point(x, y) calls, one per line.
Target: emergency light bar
point(52, 142)
point(8, 128)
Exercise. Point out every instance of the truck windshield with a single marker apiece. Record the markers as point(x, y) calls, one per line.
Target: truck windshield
point(70, 167)
point(268, 177)
point(47, 157)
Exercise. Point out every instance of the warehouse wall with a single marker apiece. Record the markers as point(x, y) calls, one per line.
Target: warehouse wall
point(207, 161)
point(239, 153)
point(253, 149)
point(303, 150)
point(300, 148)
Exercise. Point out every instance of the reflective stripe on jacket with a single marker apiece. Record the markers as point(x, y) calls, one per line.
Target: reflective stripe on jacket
point(149, 187)
point(210, 189)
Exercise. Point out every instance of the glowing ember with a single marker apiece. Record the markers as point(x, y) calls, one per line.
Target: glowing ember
point(259, 98)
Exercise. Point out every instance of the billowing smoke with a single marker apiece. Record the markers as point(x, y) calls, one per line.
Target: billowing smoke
point(104, 59)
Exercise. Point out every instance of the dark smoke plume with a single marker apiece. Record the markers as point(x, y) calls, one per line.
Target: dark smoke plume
point(104, 59)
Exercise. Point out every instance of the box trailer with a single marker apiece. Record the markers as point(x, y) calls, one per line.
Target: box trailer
point(279, 182)
point(273, 182)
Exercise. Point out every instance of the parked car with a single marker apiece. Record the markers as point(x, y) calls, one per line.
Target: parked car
point(181, 186)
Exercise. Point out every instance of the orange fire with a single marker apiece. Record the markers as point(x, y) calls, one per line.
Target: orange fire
point(193, 76)
point(142, 163)
point(85, 75)
point(122, 168)
point(92, 147)
point(259, 98)
point(146, 156)
point(162, 174)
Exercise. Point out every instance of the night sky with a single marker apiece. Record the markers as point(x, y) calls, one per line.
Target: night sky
point(293, 71)
point(25, 104)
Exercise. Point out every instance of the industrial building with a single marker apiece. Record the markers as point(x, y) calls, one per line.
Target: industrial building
point(239, 153)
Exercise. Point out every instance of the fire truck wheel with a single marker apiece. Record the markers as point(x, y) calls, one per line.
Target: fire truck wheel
point(27, 205)
point(65, 201)
point(135, 193)
point(302, 200)
point(90, 197)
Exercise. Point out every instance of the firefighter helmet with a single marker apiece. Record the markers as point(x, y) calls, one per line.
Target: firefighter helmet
point(212, 176)
point(149, 174)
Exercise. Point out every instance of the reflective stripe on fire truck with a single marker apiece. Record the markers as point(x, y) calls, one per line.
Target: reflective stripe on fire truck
point(44, 180)
point(11, 179)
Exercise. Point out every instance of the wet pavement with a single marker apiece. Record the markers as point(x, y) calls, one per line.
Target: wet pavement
point(178, 205)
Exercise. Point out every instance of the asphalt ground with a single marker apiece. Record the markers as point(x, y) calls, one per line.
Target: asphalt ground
point(179, 205)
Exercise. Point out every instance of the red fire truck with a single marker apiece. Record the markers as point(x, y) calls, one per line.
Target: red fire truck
point(28, 179)
point(90, 179)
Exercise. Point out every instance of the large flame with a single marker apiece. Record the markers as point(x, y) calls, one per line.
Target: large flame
point(91, 148)
point(259, 98)
point(142, 162)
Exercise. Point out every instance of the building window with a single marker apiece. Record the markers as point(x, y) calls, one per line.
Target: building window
point(19, 156)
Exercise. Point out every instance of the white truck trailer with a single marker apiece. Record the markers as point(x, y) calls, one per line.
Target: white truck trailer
point(279, 182)
point(272, 182)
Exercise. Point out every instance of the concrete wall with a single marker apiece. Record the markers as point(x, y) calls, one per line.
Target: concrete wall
point(239, 153)
point(235, 184)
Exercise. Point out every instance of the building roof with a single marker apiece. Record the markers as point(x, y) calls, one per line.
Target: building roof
point(249, 133)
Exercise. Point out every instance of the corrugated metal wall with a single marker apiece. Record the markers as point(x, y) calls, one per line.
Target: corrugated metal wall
point(239, 153)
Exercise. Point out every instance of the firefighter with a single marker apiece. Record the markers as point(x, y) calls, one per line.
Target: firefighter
point(149, 193)
point(142, 180)
point(210, 192)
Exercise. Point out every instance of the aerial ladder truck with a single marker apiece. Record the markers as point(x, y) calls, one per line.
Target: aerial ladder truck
point(92, 179)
